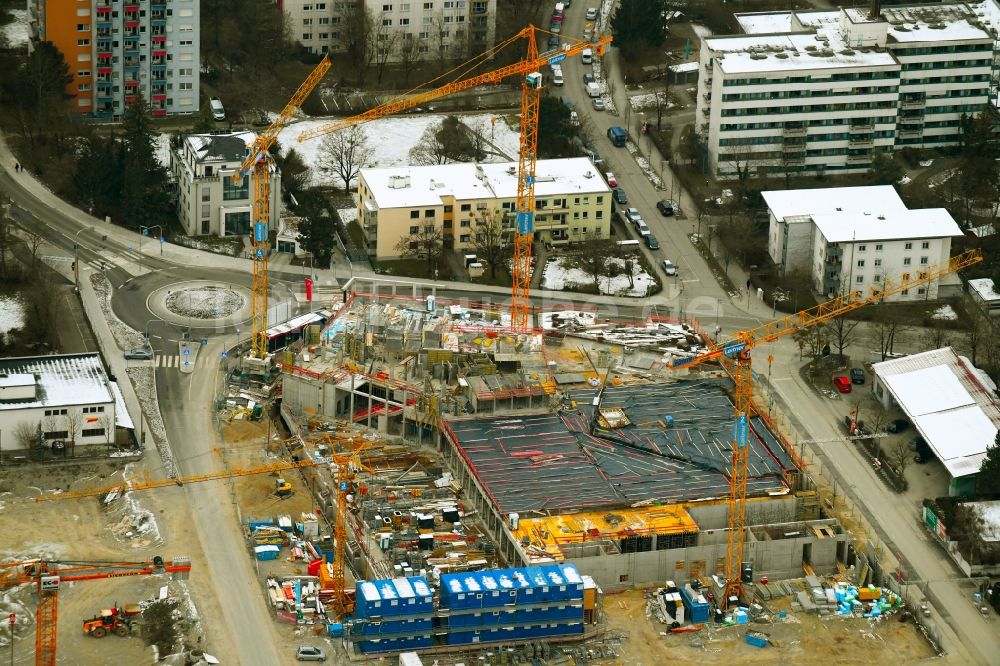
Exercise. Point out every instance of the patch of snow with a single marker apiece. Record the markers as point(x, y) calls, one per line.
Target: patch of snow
point(702, 31)
point(347, 215)
point(945, 312)
point(11, 312)
point(161, 148)
point(926, 163)
point(558, 275)
point(16, 33)
point(941, 178)
point(646, 101)
point(567, 318)
point(392, 138)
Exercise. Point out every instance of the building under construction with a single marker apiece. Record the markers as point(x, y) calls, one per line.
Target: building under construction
point(559, 446)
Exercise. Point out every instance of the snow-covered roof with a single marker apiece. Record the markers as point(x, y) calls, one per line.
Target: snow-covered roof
point(878, 199)
point(220, 147)
point(760, 23)
point(62, 380)
point(933, 23)
point(683, 67)
point(841, 227)
point(984, 288)
point(751, 54)
point(959, 418)
point(426, 185)
point(122, 417)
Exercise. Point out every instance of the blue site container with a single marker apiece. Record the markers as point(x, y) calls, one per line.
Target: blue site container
point(697, 610)
point(254, 523)
point(335, 629)
point(389, 597)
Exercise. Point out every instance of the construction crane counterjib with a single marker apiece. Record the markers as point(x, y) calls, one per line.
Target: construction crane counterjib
point(494, 76)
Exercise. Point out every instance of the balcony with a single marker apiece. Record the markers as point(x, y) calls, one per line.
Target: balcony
point(858, 158)
point(913, 103)
point(861, 126)
point(910, 120)
point(861, 140)
point(909, 132)
point(795, 160)
point(794, 130)
point(159, 113)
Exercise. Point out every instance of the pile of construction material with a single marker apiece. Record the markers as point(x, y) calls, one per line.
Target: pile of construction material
point(298, 599)
point(847, 600)
point(671, 339)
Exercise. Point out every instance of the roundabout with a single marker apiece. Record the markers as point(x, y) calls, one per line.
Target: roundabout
point(204, 304)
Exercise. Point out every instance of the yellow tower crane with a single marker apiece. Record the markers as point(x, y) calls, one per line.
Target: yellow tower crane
point(258, 164)
point(738, 349)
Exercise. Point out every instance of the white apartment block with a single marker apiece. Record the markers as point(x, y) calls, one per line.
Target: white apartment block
point(209, 202)
point(418, 30)
point(819, 91)
point(572, 202)
point(854, 238)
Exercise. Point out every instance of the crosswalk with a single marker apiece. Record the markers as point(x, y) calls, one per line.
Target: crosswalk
point(173, 361)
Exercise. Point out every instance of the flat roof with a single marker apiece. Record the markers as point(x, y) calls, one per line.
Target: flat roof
point(951, 403)
point(756, 23)
point(878, 199)
point(984, 288)
point(221, 147)
point(552, 463)
point(933, 23)
point(63, 380)
point(842, 227)
point(792, 51)
point(428, 184)
point(122, 417)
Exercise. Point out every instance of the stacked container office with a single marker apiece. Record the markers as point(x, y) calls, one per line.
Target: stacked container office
point(512, 604)
point(392, 615)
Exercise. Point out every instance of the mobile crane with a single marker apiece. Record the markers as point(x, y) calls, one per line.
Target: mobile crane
point(48, 575)
point(734, 354)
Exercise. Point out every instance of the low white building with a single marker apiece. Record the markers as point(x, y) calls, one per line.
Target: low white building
point(63, 397)
point(951, 403)
point(985, 295)
point(209, 202)
point(852, 238)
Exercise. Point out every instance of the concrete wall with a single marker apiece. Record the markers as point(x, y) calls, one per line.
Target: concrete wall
point(774, 559)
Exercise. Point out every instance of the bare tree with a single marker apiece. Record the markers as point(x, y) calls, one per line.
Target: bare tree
point(7, 236)
point(884, 330)
point(425, 241)
point(662, 98)
point(409, 55)
point(73, 421)
point(980, 331)
point(359, 39)
point(492, 238)
point(109, 427)
point(937, 334)
point(431, 148)
point(595, 259)
point(345, 153)
point(385, 44)
point(843, 330)
point(48, 425)
point(899, 455)
point(26, 434)
point(446, 141)
point(33, 240)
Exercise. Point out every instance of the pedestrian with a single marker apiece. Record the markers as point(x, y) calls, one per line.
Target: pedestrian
point(17, 167)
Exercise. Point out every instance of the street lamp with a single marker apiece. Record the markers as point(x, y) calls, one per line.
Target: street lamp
point(146, 329)
point(144, 231)
point(76, 256)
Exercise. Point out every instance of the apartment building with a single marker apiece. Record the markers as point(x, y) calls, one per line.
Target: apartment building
point(855, 238)
point(414, 31)
point(572, 202)
point(118, 50)
point(820, 91)
point(209, 202)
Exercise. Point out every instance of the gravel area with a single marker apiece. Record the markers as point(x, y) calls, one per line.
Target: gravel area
point(205, 302)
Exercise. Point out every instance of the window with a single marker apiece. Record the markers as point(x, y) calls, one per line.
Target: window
point(83, 72)
point(464, 223)
point(877, 278)
point(93, 432)
point(428, 5)
point(906, 261)
point(921, 291)
point(307, 21)
point(860, 279)
point(206, 194)
point(83, 42)
point(306, 36)
point(404, 21)
point(387, 8)
point(231, 192)
point(861, 263)
point(429, 228)
point(83, 27)
point(464, 238)
point(414, 214)
point(923, 261)
point(56, 434)
point(93, 410)
point(878, 247)
point(861, 248)
point(878, 262)
point(908, 246)
point(429, 212)
point(414, 230)
point(447, 209)
point(600, 200)
point(925, 245)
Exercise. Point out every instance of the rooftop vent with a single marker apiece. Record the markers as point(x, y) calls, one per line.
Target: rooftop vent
point(847, 52)
point(881, 217)
point(811, 47)
point(840, 209)
point(758, 56)
point(588, 174)
point(783, 56)
point(399, 182)
point(511, 171)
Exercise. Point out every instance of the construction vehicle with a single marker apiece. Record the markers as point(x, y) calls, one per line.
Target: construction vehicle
point(282, 488)
point(531, 94)
point(257, 163)
point(48, 575)
point(734, 355)
point(117, 620)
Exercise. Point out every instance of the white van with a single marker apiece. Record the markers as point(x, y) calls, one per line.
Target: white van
point(218, 112)
point(628, 244)
point(587, 56)
point(560, 8)
point(593, 89)
point(557, 76)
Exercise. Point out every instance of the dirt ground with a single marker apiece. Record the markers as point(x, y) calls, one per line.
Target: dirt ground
point(800, 639)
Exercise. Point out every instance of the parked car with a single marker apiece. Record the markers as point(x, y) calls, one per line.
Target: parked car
point(588, 79)
point(923, 451)
point(555, 27)
point(218, 111)
point(669, 268)
point(652, 243)
point(633, 214)
point(843, 384)
point(143, 353)
point(591, 13)
point(610, 177)
point(643, 230)
point(665, 207)
point(598, 104)
point(620, 196)
point(310, 653)
point(553, 42)
point(857, 376)
point(897, 425)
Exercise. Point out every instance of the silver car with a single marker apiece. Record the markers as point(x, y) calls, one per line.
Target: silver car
point(598, 104)
point(310, 653)
point(144, 353)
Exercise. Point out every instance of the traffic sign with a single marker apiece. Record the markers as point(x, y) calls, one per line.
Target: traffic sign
point(225, 354)
point(145, 231)
point(12, 619)
point(260, 253)
point(204, 341)
point(187, 351)
point(187, 362)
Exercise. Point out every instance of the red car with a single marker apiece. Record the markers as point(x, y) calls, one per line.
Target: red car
point(843, 384)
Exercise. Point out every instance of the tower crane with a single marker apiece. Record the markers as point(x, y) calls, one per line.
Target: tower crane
point(738, 349)
point(48, 575)
point(531, 90)
point(256, 162)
